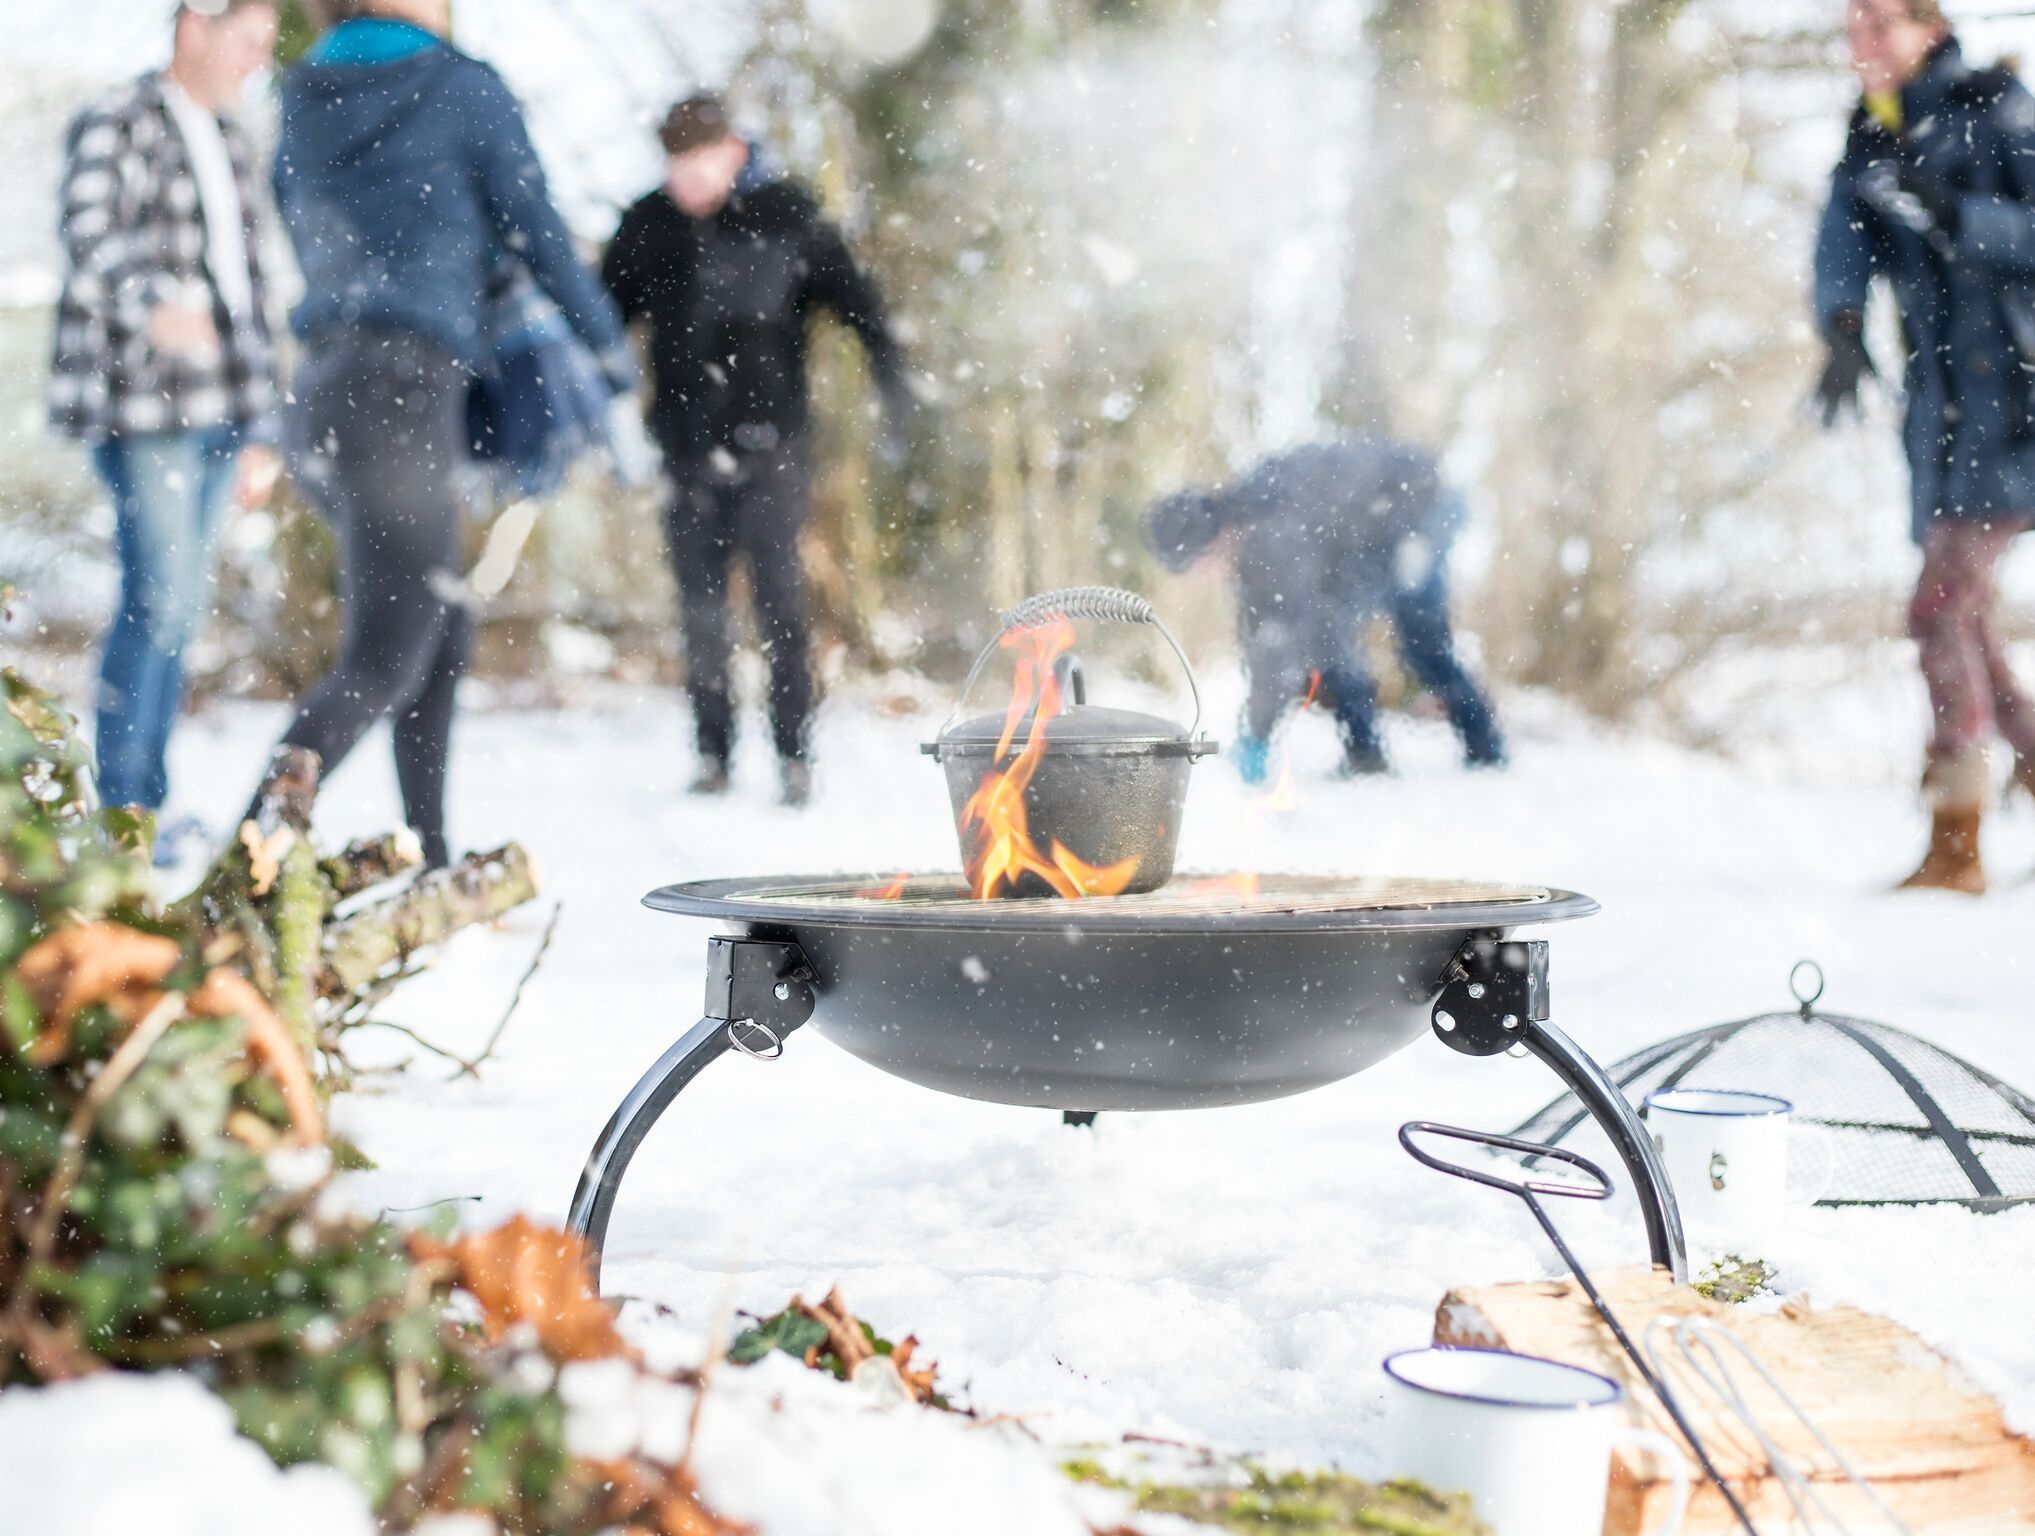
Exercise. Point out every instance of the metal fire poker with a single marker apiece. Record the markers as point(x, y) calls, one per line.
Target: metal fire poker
point(1530, 1189)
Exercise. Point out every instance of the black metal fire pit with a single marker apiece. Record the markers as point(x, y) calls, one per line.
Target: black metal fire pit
point(1210, 991)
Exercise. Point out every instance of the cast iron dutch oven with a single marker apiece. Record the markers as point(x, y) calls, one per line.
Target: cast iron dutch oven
point(1110, 782)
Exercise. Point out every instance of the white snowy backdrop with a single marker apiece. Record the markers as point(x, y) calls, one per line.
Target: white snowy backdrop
point(1134, 246)
point(1128, 254)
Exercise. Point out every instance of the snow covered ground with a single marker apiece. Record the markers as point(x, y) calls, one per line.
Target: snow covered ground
point(1226, 1277)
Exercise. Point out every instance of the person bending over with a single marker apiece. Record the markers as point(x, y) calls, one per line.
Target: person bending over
point(1324, 537)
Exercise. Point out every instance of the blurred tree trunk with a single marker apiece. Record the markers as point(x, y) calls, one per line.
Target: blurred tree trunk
point(1569, 111)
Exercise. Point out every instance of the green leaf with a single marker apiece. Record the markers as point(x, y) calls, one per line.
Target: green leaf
point(790, 1330)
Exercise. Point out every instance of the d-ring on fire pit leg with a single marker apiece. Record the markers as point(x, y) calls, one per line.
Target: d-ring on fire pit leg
point(1495, 997)
point(758, 991)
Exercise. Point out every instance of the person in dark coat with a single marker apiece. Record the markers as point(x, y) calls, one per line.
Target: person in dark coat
point(1936, 194)
point(405, 176)
point(1326, 536)
point(727, 263)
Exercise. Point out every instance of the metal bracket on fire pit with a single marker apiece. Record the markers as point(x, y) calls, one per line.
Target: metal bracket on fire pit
point(1494, 996)
point(758, 992)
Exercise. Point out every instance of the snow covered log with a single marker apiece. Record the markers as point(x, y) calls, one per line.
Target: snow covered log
point(1930, 1441)
point(364, 946)
point(268, 904)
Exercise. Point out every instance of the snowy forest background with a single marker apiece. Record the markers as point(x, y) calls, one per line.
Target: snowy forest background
point(1133, 243)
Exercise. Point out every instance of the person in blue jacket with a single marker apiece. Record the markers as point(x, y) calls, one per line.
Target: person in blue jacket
point(1323, 537)
point(404, 175)
point(1936, 194)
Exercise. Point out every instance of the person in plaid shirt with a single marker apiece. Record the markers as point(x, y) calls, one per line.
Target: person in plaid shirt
point(164, 361)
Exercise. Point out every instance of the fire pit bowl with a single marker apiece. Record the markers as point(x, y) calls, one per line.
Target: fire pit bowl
point(1196, 996)
point(1214, 991)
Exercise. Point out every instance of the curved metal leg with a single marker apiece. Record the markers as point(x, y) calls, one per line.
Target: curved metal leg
point(594, 1200)
point(1494, 996)
point(1609, 1108)
point(760, 987)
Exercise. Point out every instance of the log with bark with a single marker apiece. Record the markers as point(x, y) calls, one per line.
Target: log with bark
point(318, 935)
point(1934, 1445)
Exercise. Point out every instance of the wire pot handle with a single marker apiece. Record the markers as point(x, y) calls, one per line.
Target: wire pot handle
point(1106, 604)
point(1598, 1189)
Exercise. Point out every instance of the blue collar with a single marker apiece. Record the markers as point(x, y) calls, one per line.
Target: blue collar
point(371, 40)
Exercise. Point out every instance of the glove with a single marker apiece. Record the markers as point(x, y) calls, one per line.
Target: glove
point(632, 452)
point(1844, 368)
point(1916, 179)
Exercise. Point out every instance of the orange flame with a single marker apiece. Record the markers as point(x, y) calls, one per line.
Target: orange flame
point(890, 892)
point(1004, 851)
point(1231, 885)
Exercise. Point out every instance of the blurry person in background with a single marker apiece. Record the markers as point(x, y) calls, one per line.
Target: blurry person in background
point(164, 363)
point(1325, 537)
point(404, 174)
point(727, 262)
point(1934, 194)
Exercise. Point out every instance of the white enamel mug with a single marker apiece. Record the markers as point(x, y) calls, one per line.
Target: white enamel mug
point(1529, 1440)
point(1726, 1155)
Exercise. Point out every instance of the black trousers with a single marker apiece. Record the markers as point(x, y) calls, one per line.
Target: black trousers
point(751, 504)
point(374, 438)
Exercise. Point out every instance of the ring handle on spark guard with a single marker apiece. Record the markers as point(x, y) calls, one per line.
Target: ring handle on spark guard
point(1805, 980)
point(1107, 604)
point(1497, 1143)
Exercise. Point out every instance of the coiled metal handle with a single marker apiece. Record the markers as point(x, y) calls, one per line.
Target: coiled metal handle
point(1111, 604)
point(1108, 604)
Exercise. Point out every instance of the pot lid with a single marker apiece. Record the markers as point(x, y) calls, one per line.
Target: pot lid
point(1082, 727)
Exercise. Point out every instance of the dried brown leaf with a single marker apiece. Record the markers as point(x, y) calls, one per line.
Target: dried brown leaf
point(524, 1274)
point(75, 968)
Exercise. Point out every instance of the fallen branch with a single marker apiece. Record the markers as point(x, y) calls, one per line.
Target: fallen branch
point(472, 1068)
point(371, 861)
point(364, 945)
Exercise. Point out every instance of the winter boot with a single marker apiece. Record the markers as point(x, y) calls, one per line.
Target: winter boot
point(1483, 742)
point(1253, 757)
point(1954, 784)
point(712, 779)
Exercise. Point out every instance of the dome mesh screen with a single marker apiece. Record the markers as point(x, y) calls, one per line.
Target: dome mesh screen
point(1908, 1123)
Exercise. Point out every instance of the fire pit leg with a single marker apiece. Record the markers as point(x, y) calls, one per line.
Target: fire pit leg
point(1495, 997)
point(594, 1199)
point(1608, 1107)
point(758, 992)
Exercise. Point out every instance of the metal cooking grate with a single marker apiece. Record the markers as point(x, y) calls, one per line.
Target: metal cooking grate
point(1908, 1122)
point(1186, 896)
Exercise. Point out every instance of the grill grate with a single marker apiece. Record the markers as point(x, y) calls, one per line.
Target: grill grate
point(1187, 896)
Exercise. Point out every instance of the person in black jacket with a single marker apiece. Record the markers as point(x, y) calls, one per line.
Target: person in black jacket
point(726, 262)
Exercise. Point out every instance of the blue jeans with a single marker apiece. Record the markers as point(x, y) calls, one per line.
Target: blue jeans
point(169, 497)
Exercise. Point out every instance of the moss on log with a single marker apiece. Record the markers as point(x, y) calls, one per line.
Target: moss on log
point(365, 946)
